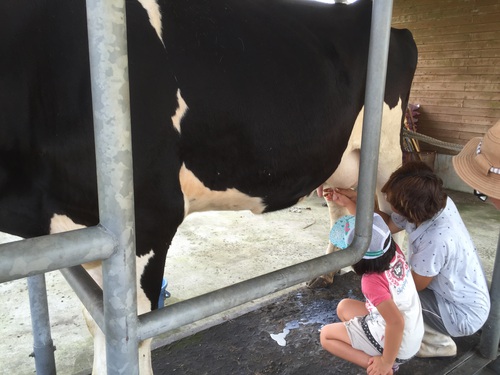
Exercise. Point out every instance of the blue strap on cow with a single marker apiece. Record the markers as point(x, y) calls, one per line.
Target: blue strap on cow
point(164, 294)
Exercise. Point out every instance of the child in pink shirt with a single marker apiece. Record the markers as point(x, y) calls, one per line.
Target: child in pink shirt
point(387, 329)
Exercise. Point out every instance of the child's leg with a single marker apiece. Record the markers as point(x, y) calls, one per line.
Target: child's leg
point(350, 308)
point(335, 339)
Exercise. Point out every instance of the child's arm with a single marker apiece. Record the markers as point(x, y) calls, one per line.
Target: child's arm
point(393, 336)
point(342, 197)
point(388, 220)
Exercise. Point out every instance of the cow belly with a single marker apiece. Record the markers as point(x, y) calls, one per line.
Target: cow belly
point(197, 197)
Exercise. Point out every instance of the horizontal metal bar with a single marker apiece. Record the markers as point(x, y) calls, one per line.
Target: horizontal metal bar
point(185, 312)
point(87, 290)
point(47, 253)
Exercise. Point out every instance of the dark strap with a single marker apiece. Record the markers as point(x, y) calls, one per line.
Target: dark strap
point(374, 342)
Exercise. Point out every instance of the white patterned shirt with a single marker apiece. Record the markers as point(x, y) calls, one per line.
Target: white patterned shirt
point(442, 248)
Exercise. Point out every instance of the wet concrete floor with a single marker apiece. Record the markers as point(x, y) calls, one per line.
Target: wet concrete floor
point(282, 338)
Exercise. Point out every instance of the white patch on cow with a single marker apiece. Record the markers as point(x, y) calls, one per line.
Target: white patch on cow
point(180, 111)
point(390, 158)
point(153, 9)
point(197, 197)
point(61, 223)
point(143, 303)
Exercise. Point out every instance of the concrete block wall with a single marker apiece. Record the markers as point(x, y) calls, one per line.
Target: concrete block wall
point(443, 167)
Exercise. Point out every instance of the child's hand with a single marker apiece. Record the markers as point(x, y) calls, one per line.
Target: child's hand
point(348, 193)
point(377, 366)
point(342, 197)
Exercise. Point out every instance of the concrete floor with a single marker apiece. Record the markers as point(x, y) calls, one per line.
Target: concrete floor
point(283, 338)
point(210, 251)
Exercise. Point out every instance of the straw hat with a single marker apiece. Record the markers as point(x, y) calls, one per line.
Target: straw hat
point(478, 164)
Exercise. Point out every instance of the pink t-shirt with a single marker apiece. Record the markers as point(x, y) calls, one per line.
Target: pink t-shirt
point(376, 289)
point(397, 284)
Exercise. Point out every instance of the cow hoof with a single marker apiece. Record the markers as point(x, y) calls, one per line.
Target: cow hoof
point(323, 281)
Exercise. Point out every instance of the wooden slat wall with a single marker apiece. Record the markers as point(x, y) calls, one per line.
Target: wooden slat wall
point(457, 82)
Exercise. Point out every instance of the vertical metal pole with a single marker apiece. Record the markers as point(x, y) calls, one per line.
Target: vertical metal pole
point(110, 100)
point(43, 348)
point(374, 99)
point(490, 336)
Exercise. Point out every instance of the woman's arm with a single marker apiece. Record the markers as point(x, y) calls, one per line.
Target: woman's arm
point(421, 282)
point(388, 220)
point(394, 328)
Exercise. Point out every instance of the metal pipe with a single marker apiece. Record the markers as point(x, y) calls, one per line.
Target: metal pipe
point(43, 347)
point(374, 99)
point(110, 100)
point(191, 310)
point(87, 290)
point(47, 253)
point(490, 336)
point(185, 312)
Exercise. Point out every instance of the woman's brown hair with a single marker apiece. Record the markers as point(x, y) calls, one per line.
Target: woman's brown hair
point(415, 192)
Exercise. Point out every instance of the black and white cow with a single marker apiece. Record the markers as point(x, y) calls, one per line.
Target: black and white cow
point(235, 104)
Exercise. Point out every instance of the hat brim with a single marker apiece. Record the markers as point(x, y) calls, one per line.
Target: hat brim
point(469, 171)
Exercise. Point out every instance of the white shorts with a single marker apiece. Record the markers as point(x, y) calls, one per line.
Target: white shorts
point(358, 338)
point(362, 341)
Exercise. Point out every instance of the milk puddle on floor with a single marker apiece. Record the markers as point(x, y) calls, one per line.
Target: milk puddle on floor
point(319, 312)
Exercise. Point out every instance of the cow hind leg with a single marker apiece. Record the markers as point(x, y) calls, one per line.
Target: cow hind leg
point(61, 223)
point(143, 305)
point(99, 363)
point(99, 366)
